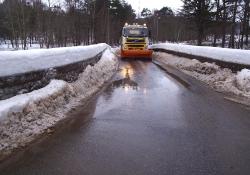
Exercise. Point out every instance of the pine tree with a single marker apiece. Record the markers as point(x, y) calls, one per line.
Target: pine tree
point(200, 12)
point(146, 12)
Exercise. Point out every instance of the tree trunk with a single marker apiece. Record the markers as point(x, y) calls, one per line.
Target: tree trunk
point(232, 40)
point(217, 19)
point(200, 35)
point(245, 24)
point(200, 22)
point(224, 24)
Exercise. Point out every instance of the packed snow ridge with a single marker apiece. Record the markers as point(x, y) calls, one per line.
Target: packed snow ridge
point(221, 79)
point(23, 61)
point(215, 53)
point(25, 117)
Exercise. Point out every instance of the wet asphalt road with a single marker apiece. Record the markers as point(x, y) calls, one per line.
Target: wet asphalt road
point(147, 123)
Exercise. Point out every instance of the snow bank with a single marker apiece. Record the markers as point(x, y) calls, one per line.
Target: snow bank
point(243, 80)
point(17, 62)
point(221, 79)
point(25, 117)
point(18, 103)
point(222, 54)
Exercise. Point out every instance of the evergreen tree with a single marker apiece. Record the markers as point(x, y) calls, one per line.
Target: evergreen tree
point(146, 12)
point(200, 12)
point(165, 11)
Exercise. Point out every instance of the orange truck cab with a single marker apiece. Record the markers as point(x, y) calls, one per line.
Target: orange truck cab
point(135, 41)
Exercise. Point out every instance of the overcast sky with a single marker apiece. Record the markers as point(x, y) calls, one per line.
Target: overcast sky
point(155, 4)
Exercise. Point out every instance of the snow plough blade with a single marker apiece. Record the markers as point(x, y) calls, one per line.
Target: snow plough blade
point(136, 54)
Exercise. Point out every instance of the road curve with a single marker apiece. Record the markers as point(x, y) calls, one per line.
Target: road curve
point(147, 122)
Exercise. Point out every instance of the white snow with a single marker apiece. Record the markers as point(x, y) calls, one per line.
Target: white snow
point(243, 80)
point(17, 62)
point(223, 54)
point(8, 47)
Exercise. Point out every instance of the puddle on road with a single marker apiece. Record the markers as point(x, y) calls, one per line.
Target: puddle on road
point(125, 82)
point(140, 76)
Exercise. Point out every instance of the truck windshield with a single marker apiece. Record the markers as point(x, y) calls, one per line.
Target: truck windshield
point(135, 32)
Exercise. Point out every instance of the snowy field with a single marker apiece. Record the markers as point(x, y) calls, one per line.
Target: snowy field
point(221, 79)
point(222, 54)
point(23, 61)
point(25, 117)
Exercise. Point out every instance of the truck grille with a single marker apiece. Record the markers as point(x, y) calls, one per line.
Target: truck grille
point(135, 40)
point(135, 45)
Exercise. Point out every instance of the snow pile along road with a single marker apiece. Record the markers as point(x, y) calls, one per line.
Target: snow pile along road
point(221, 79)
point(23, 61)
point(243, 80)
point(25, 117)
point(18, 103)
point(221, 54)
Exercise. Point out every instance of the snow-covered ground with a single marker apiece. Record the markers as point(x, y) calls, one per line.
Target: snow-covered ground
point(221, 79)
point(8, 47)
point(23, 61)
point(222, 54)
point(27, 116)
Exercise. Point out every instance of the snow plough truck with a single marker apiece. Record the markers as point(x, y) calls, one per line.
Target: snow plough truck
point(135, 41)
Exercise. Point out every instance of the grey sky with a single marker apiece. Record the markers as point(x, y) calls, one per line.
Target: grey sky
point(155, 4)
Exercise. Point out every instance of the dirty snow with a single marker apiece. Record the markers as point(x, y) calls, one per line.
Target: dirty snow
point(221, 79)
point(17, 62)
point(27, 116)
point(223, 54)
point(18, 103)
point(243, 80)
